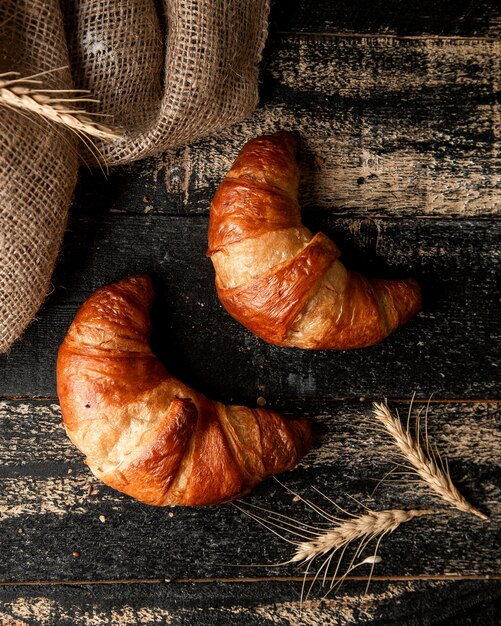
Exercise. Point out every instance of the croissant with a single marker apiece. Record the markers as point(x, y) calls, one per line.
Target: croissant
point(146, 433)
point(277, 279)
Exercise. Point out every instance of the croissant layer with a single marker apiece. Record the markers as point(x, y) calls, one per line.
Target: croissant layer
point(146, 433)
point(276, 278)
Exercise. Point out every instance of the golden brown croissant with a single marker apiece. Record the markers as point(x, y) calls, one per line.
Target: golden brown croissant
point(279, 281)
point(146, 433)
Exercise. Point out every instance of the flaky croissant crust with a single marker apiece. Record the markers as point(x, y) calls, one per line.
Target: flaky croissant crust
point(146, 433)
point(276, 278)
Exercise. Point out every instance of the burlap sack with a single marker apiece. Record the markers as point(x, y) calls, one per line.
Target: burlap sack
point(38, 165)
point(165, 72)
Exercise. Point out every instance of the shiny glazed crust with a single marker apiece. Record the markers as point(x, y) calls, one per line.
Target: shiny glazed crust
point(146, 433)
point(277, 279)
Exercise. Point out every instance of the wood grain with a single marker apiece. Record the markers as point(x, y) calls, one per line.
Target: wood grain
point(45, 492)
point(459, 18)
point(457, 262)
point(397, 108)
point(408, 604)
point(388, 128)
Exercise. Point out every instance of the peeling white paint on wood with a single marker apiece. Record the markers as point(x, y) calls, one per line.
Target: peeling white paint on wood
point(463, 432)
point(406, 152)
point(47, 612)
point(344, 608)
point(35, 495)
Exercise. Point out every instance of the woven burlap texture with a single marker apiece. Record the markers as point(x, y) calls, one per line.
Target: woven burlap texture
point(165, 73)
point(38, 165)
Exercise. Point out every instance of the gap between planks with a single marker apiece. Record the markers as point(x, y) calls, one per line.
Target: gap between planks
point(315, 36)
point(371, 399)
point(374, 216)
point(362, 400)
point(256, 579)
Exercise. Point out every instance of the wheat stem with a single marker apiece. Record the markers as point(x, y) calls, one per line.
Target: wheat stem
point(425, 465)
point(17, 93)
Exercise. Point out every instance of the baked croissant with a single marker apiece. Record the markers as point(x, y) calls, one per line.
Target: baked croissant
point(277, 279)
point(146, 433)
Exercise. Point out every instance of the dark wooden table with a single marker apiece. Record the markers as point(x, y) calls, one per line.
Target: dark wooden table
point(395, 104)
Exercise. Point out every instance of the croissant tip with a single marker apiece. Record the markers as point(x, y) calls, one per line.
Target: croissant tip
point(411, 301)
point(415, 288)
point(289, 138)
point(286, 138)
point(139, 283)
point(143, 280)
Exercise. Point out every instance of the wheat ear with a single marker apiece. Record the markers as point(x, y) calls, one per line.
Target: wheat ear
point(312, 542)
point(426, 465)
point(24, 94)
point(364, 527)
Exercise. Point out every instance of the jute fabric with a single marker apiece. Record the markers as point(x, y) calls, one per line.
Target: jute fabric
point(165, 74)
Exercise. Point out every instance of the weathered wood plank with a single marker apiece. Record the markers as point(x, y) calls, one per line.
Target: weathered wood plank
point(388, 128)
point(460, 18)
point(456, 262)
point(391, 128)
point(260, 604)
point(45, 492)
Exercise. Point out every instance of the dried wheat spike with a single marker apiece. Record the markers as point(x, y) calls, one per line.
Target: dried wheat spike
point(314, 542)
point(366, 527)
point(24, 94)
point(429, 467)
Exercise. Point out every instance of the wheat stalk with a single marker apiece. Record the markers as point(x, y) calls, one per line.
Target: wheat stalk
point(24, 94)
point(429, 466)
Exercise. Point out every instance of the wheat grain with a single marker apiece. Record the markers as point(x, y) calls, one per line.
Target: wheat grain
point(24, 94)
point(429, 466)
